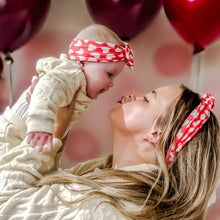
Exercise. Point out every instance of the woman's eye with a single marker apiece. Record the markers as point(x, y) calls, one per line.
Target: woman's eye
point(110, 75)
point(146, 100)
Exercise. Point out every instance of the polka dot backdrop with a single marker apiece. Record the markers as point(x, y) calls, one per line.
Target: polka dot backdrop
point(172, 59)
point(82, 145)
point(161, 57)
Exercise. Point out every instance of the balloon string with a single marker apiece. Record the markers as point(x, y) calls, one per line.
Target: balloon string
point(10, 61)
point(195, 72)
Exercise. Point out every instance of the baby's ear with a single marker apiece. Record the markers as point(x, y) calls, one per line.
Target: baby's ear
point(81, 63)
point(153, 136)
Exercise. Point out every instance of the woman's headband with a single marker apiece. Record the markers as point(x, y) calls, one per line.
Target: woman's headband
point(86, 50)
point(191, 126)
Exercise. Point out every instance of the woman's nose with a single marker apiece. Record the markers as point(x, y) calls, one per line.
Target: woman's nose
point(131, 96)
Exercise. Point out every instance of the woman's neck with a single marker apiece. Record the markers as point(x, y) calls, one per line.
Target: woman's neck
point(125, 151)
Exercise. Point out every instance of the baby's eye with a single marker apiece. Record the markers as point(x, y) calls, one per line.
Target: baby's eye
point(110, 75)
point(146, 100)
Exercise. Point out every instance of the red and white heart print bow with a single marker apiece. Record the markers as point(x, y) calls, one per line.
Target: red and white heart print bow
point(191, 126)
point(86, 50)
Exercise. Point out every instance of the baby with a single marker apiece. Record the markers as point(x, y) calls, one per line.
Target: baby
point(95, 57)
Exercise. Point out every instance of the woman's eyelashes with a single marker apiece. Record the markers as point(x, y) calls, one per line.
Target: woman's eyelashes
point(146, 100)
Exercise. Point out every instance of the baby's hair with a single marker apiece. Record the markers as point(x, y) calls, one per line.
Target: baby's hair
point(98, 32)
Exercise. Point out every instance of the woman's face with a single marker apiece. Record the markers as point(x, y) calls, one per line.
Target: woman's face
point(138, 111)
point(133, 122)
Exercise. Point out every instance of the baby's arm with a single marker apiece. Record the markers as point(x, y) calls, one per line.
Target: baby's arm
point(64, 115)
point(42, 138)
point(53, 90)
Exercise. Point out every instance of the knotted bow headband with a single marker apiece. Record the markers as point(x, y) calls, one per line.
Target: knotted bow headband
point(86, 50)
point(191, 126)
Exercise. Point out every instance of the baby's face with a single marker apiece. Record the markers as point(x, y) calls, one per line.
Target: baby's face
point(100, 76)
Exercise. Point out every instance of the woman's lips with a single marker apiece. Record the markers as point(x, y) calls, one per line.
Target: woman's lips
point(121, 100)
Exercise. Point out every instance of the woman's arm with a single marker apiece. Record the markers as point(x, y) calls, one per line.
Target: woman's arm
point(20, 164)
point(64, 115)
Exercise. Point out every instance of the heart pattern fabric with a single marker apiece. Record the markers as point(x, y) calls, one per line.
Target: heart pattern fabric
point(191, 126)
point(94, 51)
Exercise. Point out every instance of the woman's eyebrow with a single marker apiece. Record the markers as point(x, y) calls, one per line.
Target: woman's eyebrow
point(154, 92)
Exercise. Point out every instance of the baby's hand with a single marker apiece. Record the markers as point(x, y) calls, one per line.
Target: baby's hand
point(40, 138)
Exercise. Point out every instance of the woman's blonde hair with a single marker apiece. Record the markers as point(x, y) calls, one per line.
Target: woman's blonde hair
point(181, 191)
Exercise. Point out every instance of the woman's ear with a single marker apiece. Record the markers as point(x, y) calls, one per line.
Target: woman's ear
point(153, 136)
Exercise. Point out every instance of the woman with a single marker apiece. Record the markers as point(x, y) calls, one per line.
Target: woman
point(154, 172)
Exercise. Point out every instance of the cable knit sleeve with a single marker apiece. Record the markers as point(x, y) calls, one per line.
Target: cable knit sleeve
point(60, 80)
point(20, 164)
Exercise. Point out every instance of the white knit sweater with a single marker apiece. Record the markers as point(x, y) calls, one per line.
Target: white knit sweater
point(59, 81)
point(21, 166)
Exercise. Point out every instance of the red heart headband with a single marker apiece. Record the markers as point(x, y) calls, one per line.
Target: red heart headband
point(86, 50)
point(191, 126)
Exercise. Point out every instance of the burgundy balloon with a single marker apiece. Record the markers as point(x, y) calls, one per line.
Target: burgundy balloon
point(126, 17)
point(197, 21)
point(1, 67)
point(19, 21)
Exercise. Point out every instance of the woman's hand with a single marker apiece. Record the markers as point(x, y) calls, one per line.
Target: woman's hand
point(64, 116)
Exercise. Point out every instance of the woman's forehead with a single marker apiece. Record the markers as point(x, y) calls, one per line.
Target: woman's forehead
point(165, 94)
point(169, 91)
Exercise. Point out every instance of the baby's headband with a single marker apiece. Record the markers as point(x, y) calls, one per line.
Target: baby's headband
point(191, 126)
point(86, 50)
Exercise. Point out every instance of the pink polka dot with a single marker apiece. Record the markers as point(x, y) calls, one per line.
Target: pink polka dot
point(214, 211)
point(41, 46)
point(81, 146)
point(173, 59)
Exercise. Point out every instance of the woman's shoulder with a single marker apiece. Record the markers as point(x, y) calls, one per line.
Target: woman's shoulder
point(91, 165)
